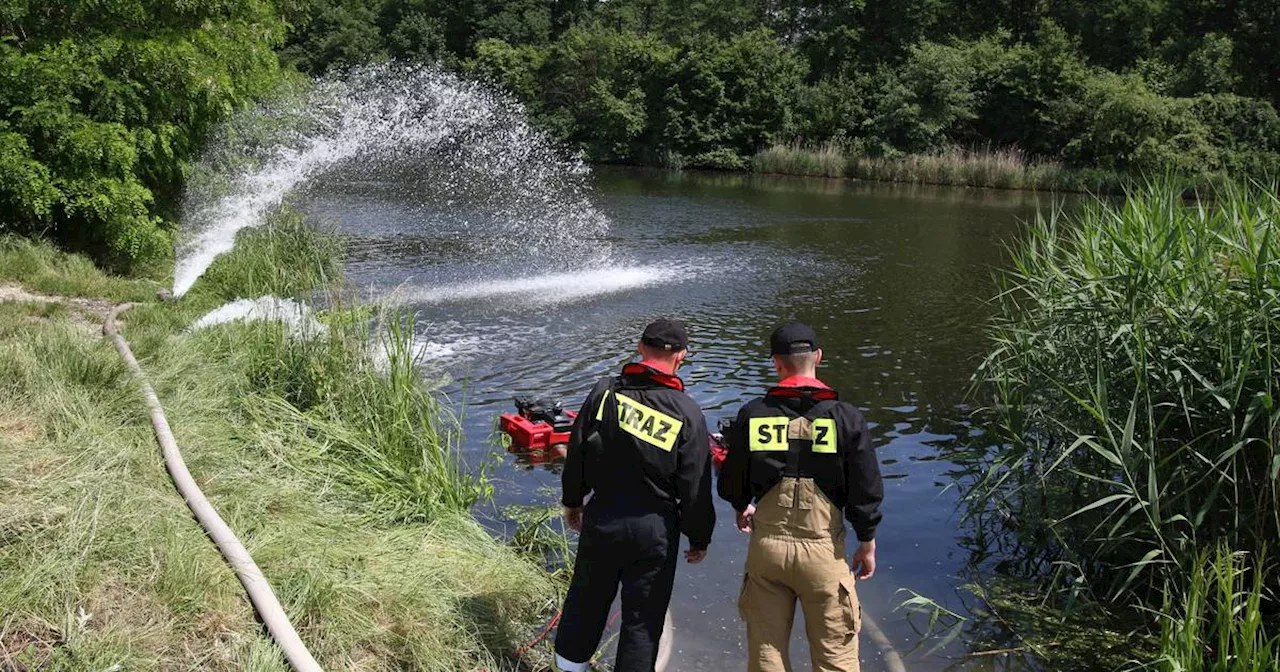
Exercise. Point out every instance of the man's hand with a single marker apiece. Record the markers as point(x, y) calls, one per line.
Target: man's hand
point(573, 518)
point(694, 557)
point(864, 561)
point(746, 518)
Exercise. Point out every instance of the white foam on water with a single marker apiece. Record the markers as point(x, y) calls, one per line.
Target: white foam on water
point(297, 317)
point(458, 138)
point(546, 290)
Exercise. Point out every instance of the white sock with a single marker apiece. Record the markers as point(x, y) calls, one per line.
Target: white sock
point(565, 665)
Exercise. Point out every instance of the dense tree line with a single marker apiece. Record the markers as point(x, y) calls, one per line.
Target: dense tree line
point(1145, 85)
point(103, 103)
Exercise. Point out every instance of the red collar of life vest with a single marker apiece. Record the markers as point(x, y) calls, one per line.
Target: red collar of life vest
point(649, 370)
point(803, 386)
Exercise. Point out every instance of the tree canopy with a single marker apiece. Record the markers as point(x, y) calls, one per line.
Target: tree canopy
point(1131, 85)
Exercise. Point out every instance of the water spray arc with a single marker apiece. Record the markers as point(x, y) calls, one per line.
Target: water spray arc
point(460, 143)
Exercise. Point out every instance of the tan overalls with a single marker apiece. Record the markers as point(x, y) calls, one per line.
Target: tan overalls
point(797, 551)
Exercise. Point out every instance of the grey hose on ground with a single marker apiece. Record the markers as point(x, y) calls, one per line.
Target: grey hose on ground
point(665, 644)
point(892, 661)
point(255, 584)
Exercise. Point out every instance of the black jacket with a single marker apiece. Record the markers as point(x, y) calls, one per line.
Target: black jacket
point(838, 457)
point(639, 445)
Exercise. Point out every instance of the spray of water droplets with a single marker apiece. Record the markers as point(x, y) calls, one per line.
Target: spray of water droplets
point(458, 140)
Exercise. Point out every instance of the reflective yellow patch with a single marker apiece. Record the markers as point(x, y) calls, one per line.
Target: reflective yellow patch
point(647, 424)
point(824, 435)
point(600, 408)
point(768, 434)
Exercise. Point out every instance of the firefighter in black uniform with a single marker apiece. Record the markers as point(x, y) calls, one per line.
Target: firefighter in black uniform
point(639, 448)
point(800, 463)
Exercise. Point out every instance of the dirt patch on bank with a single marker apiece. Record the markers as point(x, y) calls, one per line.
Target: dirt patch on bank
point(28, 646)
point(86, 314)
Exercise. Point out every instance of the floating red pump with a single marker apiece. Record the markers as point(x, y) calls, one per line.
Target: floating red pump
point(539, 432)
point(528, 434)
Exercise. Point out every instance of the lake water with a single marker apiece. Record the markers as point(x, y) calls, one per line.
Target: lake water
point(894, 279)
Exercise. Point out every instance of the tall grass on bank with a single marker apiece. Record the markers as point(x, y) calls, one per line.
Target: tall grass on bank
point(41, 267)
point(1216, 622)
point(353, 402)
point(826, 161)
point(1132, 386)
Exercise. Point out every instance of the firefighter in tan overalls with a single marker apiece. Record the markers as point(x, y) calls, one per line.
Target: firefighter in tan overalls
point(800, 463)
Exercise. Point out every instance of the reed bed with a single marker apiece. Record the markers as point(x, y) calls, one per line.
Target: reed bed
point(995, 168)
point(1131, 389)
point(827, 160)
point(999, 168)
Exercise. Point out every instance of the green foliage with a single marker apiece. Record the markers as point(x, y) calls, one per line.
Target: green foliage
point(1131, 384)
point(595, 93)
point(728, 97)
point(337, 33)
point(927, 100)
point(102, 105)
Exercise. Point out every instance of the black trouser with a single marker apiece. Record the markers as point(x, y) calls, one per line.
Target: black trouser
point(638, 551)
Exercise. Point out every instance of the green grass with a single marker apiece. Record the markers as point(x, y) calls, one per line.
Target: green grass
point(339, 470)
point(41, 267)
point(1130, 387)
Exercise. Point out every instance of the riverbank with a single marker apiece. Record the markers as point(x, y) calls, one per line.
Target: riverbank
point(330, 459)
point(991, 169)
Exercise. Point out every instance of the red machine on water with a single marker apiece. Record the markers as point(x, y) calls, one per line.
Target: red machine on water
point(539, 431)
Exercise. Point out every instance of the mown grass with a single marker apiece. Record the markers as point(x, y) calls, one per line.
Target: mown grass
point(1007, 168)
point(337, 468)
point(1131, 389)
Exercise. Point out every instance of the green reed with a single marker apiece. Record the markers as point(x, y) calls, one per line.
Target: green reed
point(998, 168)
point(1131, 386)
point(1217, 623)
point(825, 161)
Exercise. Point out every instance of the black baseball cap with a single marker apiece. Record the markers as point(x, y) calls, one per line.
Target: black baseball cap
point(666, 333)
point(793, 338)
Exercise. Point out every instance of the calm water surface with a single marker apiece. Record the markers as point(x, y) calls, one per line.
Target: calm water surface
point(894, 279)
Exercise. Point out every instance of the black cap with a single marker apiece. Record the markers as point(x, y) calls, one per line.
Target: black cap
point(666, 333)
point(793, 338)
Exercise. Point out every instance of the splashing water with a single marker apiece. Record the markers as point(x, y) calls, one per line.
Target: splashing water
point(546, 290)
point(458, 139)
point(295, 316)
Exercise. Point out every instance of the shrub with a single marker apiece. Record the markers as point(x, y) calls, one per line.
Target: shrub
point(731, 96)
point(101, 106)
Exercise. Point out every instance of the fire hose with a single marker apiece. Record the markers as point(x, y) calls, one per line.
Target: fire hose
point(255, 584)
